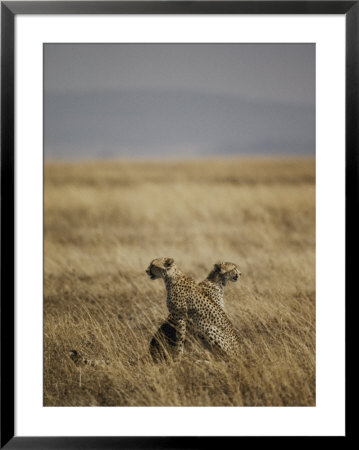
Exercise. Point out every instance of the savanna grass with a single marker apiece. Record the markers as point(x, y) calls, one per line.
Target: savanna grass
point(104, 223)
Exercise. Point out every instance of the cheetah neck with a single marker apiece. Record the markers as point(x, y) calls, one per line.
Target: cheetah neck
point(172, 279)
point(216, 280)
point(173, 301)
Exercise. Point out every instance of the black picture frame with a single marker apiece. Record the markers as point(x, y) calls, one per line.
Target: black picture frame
point(9, 10)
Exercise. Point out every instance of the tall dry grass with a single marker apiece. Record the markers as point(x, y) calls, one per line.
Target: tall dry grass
point(104, 223)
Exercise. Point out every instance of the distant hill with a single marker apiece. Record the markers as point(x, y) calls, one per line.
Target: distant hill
point(148, 123)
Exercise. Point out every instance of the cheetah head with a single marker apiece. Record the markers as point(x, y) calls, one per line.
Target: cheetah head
point(227, 271)
point(160, 267)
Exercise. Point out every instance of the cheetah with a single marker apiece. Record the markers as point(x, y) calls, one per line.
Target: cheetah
point(164, 340)
point(189, 308)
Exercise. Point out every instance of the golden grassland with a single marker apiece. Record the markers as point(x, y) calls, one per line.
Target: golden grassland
point(105, 222)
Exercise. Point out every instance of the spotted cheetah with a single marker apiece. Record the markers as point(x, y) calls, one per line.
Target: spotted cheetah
point(189, 308)
point(164, 340)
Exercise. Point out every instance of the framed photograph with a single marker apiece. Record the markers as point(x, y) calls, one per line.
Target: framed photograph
point(177, 186)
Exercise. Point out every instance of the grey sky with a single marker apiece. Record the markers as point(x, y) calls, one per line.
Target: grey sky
point(178, 100)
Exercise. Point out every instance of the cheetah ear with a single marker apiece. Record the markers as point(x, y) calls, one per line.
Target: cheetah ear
point(169, 262)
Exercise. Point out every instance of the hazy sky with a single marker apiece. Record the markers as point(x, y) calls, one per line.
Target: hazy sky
point(178, 100)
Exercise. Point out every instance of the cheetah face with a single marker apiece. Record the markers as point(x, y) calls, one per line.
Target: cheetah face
point(159, 267)
point(227, 271)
